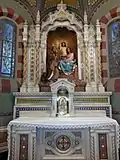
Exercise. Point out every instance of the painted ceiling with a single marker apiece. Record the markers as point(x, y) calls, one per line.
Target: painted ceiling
point(28, 8)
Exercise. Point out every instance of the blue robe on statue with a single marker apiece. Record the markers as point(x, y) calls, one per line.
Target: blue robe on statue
point(67, 66)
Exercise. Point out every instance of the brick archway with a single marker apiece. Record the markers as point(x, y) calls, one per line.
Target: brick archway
point(105, 20)
point(9, 84)
point(10, 13)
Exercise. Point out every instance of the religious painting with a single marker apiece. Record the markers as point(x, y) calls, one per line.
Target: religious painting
point(114, 48)
point(61, 52)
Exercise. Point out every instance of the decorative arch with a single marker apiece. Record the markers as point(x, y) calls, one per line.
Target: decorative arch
point(10, 13)
point(114, 13)
point(61, 18)
point(8, 84)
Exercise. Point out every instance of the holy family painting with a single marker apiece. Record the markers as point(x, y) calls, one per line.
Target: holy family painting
point(61, 53)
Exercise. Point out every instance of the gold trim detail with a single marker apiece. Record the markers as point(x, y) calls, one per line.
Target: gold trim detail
point(91, 100)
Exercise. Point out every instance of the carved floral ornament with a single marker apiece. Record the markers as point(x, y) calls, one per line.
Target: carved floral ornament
point(61, 15)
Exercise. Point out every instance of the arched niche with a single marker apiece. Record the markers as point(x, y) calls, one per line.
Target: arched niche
point(62, 102)
point(62, 88)
point(61, 18)
point(55, 38)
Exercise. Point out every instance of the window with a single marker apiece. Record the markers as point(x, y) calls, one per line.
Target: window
point(114, 48)
point(7, 48)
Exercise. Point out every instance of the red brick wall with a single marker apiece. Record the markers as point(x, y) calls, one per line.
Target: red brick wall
point(117, 85)
point(112, 84)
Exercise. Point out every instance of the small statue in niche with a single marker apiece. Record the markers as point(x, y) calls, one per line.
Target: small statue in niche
point(63, 48)
point(62, 107)
point(53, 63)
point(68, 63)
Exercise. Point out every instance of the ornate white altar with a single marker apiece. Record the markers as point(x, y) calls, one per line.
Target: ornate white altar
point(62, 124)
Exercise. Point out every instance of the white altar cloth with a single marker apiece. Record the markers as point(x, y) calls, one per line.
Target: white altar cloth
point(63, 122)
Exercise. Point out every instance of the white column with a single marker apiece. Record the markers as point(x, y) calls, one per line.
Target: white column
point(80, 50)
point(86, 40)
point(25, 39)
point(98, 52)
point(91, 53)
point(37, 56)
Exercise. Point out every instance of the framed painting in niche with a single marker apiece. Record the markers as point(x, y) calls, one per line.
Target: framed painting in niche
point(60, 44)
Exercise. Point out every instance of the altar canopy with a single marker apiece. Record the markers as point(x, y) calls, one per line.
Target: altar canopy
point(53, 118)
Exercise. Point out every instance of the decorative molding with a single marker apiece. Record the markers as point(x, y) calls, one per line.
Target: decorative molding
point(62, 83)
point(33, 94)
point(18, 109)
point(107, 109)
point(101, 100)
point(32, 101)
point(67, 126)
point(96, 94)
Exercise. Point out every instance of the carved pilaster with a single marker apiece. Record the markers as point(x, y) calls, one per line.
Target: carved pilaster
point(31, 59)
point(34, 149)
point(37, 40)
point(13, 149)
point(81, 65)
point(98, 52)
point(32, 64)
point(86, 50)
point(91, 53)
point(92, 148)
point(113, 148)
point(25, 38)
point(92, 59)
point(9, 141)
